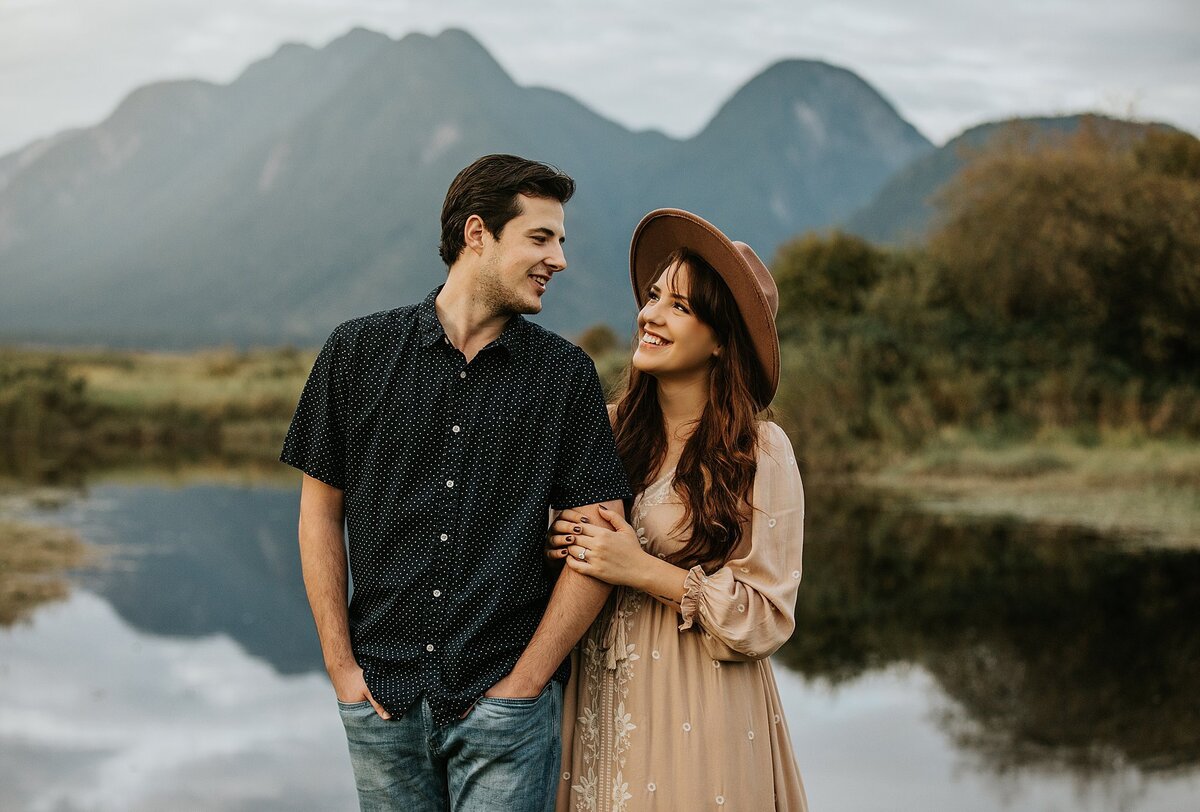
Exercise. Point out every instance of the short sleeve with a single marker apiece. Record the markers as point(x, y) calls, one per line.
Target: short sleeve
point(746, 609)
point(314, 441)
point(588, 469)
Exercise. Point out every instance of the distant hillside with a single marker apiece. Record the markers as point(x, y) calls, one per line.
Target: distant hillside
point(308, 190)
point(903, 210)
point(798, 147)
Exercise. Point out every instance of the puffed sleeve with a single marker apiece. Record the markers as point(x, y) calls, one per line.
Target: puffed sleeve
point(746, 609)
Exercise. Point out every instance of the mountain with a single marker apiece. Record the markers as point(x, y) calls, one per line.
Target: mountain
point(798, 147)
point(903, 210)
point(308, 190)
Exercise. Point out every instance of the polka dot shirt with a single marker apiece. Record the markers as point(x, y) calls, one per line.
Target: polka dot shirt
point(448, 471)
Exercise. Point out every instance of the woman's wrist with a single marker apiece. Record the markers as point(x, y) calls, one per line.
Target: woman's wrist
point(639, 572)
point(658, 577)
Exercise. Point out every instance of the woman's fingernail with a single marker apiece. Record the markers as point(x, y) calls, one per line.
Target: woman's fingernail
point(571, 539)
point(578, 529)
point(584, 520)
point(602, 507)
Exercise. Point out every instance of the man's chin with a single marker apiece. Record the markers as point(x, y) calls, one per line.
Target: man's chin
point(523, 309)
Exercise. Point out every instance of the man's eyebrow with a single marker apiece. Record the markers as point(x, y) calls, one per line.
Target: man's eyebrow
point(546, 232)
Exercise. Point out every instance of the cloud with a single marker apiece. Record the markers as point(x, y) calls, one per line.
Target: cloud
point(96, 716)
point(946, 65)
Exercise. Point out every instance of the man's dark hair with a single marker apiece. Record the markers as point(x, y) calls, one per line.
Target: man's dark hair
point(489, 188)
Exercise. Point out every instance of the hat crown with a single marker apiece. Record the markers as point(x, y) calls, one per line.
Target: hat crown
point(762, 276)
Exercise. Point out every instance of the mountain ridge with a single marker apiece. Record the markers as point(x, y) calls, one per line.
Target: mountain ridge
point(902, 211)
point(307, 190)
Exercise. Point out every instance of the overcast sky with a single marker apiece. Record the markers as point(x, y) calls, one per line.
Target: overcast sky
point(667, 64)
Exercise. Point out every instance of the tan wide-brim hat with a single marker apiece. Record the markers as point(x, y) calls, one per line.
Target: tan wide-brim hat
point(663, 231)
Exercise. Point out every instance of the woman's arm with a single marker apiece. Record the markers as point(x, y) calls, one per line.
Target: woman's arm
point(746, 609)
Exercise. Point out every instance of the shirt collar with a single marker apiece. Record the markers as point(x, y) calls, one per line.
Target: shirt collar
point(511, 338)
point(427, 320)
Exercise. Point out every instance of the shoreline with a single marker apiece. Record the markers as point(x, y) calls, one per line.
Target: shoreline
point(34, 561)
point(1144, 491)
point(229, 409)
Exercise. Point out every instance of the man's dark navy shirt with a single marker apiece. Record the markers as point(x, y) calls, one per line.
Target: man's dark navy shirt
point(449, 470)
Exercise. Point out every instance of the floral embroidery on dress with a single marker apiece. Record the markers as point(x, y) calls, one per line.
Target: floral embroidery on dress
point(605, 728)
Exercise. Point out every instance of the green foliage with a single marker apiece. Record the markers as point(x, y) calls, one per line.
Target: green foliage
point(61, 412)
point(41, 402)
point(1062, 288)
point(1174, 154)
point(825, 275)
point(1083, 241)
point(598, 340)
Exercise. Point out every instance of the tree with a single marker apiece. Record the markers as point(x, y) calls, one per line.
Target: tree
point(1086, 239)
point(823, 276)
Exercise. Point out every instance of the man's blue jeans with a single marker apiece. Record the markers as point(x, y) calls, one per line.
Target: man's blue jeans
point(503, 756)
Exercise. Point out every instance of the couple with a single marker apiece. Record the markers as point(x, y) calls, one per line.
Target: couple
point(439, 435)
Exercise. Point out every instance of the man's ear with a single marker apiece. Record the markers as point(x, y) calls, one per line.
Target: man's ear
point(473, 233)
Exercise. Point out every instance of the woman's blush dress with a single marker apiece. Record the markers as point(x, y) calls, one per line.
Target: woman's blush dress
point(678, 710)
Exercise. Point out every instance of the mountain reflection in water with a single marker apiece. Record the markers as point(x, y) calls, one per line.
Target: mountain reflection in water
point(1060, 648)
point(1057, 649)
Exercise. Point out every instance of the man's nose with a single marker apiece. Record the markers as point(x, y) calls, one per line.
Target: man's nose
point(557, 260)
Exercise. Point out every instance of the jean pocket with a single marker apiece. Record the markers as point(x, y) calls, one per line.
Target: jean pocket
point(351, 706)
point(515, 701)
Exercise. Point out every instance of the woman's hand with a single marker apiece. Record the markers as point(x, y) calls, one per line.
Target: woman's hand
point(611, 554)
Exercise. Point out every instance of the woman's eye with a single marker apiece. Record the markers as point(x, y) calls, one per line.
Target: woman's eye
point(680, 308)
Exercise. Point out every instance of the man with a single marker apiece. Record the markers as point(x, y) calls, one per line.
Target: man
point(441, 434)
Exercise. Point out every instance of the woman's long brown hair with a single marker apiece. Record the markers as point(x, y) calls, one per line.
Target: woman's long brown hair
point(715, 474)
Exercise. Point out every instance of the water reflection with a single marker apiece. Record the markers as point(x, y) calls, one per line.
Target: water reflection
point(1035, 658)
point(200, 560)
point(95, 715)
point(1057, 647)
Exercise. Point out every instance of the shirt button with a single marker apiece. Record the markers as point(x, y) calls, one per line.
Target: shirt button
point(455, 429)
point(462, 374)
point(437, 593)
point(449, 483)
point(444, 537)
point(429, 647)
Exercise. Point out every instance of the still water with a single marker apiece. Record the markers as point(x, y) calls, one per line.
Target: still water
point(937, 665)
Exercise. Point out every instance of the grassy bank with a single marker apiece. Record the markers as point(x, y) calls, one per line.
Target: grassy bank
point(127, 410)
point(71, 409)
point(1143, 489)
point(32, 560)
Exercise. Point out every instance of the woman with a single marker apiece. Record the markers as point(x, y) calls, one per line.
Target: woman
point(672, 704)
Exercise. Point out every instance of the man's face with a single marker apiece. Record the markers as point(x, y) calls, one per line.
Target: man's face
point(518, 266)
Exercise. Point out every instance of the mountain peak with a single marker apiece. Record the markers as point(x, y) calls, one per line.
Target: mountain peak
point(808, 79)
point(358, 37)
point(465, 49)
point(807, 101)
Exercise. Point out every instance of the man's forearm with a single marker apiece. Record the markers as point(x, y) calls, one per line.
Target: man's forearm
point(574, 604)
point(323, 560)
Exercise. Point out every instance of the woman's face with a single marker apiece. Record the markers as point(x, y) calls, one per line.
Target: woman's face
point(672, 341)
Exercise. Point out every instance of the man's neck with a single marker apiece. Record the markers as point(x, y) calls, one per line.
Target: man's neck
point(469, 323)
